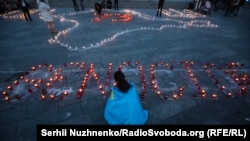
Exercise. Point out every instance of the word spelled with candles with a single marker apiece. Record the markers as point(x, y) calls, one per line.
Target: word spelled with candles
point(43, 79)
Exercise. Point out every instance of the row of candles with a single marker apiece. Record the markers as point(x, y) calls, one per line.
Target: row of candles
point(58, 76)
point(241, 80)
point(127, 15)
point(123, 17)
point(207, 68)
point(17, 14)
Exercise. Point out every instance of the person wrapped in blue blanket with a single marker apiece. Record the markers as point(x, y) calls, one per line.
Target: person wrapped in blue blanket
point(123, 107)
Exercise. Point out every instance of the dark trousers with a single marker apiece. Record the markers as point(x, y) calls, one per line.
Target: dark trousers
point(75, 5)
point(26, 14)
point(160, 6)
point(116, 5)
point(82, 5)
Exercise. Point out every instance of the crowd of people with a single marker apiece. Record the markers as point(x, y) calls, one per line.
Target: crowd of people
point(5, 7)
point(104, 4)
point(230, 7)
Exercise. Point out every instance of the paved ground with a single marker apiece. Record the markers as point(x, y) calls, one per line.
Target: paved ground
point(172, 51)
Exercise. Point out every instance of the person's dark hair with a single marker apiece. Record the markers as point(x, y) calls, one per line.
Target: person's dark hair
point(98, 8)
point(122, 83)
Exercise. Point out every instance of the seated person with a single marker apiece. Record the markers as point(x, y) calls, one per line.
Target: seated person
point(98, 8)
point(123, 106)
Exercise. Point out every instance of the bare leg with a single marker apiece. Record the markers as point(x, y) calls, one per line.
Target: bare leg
point(51, 26)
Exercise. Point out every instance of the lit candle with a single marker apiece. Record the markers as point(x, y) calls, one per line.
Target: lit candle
point(61, 77)
point(4, 93)
point(80, 91)
point(203, 95)
point(175, 96)
point(36, 85)
point(243, 90)
point(33, 68)
point(7, 98)
point(51, 79)
point(155, 87)
point(158, 92)
point(181, 88)
point(33, 80)
point(214, 95)
point(48, 84)
point(236, 79)
point(9, 87)
point(103, 92)
point(229, 94)
point(180, 94)
point(40, 81)
point(65, 93)
point(222, 87)
point(42, 96)
point(21, 77)
point(15, 82)
point(52, 96)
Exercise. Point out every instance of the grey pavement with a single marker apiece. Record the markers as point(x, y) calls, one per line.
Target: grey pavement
point(172, 51)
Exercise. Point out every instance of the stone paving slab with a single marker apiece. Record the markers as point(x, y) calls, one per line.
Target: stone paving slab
point(165, 42)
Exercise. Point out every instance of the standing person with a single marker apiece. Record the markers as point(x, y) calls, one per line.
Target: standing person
point(22, 4)
point(82, 5)
point(116, 4)
point(109, 4)
point(238, 7)
point(160, 6)
point(5, 6)
point(229, 11)
point(44, 9)
point(123, 107)
point(75, 5)
point(198, 5)
point(103, 4)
